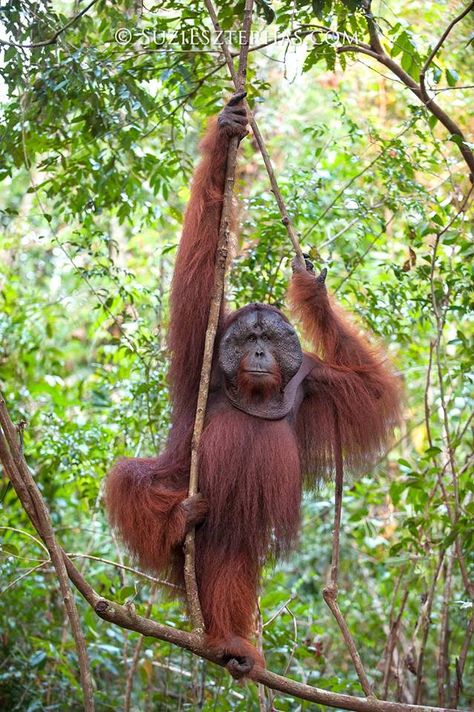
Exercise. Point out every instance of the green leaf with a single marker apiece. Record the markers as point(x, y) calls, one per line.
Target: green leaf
point(353, 5)
point(432, 451)
point(404, 463)
point(451, 77)
point(318, 8)
point(264, 8)
point(38, 658)
point(437, 74)
point(9, 549)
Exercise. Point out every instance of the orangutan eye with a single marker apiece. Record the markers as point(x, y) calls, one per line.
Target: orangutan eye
point(251, 337)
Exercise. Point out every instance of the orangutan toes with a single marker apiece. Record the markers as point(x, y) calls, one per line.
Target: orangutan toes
point(238, 655)
point(240, 666)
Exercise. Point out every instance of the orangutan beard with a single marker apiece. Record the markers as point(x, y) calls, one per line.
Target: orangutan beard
point(254, 386)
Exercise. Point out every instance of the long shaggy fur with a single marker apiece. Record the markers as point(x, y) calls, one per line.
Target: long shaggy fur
point(194, 271)
point(258, 388)
point(250, 476)
point(351, 381)
point(147, 512)
point(250, 469)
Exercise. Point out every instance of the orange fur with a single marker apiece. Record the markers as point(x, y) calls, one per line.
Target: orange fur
point(259, 388)
point(250, 469)
point(351, 379)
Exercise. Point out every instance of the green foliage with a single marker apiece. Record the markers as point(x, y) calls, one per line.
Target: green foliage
point(98, 141)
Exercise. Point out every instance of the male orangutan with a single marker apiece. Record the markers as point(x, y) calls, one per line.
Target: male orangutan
point(274, 415)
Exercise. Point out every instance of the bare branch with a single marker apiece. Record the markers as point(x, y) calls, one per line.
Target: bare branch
point(211, 331)
point(285, 218)
point(330, 592)
point(22, 481)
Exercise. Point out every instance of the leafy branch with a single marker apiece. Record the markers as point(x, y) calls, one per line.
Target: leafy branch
point(377, 52)
point(54, 37)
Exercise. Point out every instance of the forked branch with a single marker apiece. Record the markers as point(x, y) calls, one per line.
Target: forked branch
point(376, 51)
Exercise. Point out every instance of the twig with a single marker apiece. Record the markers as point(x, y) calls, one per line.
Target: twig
point(262, 702)
point(427, 390)
point(135, 658)
point(258, 136)
point(392, 640)
point(330, 591)
point(280, 610)
point(23, 575)
point(124, 567)
point(192, 593)
point(30, 536)
point(425, 621)
point(20, 477)
point(456, 88)
point(461, 661)
point(348, 226)
point(295, 640)
point(443, 650)
point(439, 319)
point(352, 180)
point(437, 47)
point(364, 254)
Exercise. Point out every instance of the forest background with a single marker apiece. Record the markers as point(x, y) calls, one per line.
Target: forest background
point(100, 123)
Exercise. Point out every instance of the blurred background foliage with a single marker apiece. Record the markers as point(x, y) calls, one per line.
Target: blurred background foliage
point(99, 136)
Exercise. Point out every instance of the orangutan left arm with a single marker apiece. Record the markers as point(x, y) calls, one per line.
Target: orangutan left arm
point(351, 382)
